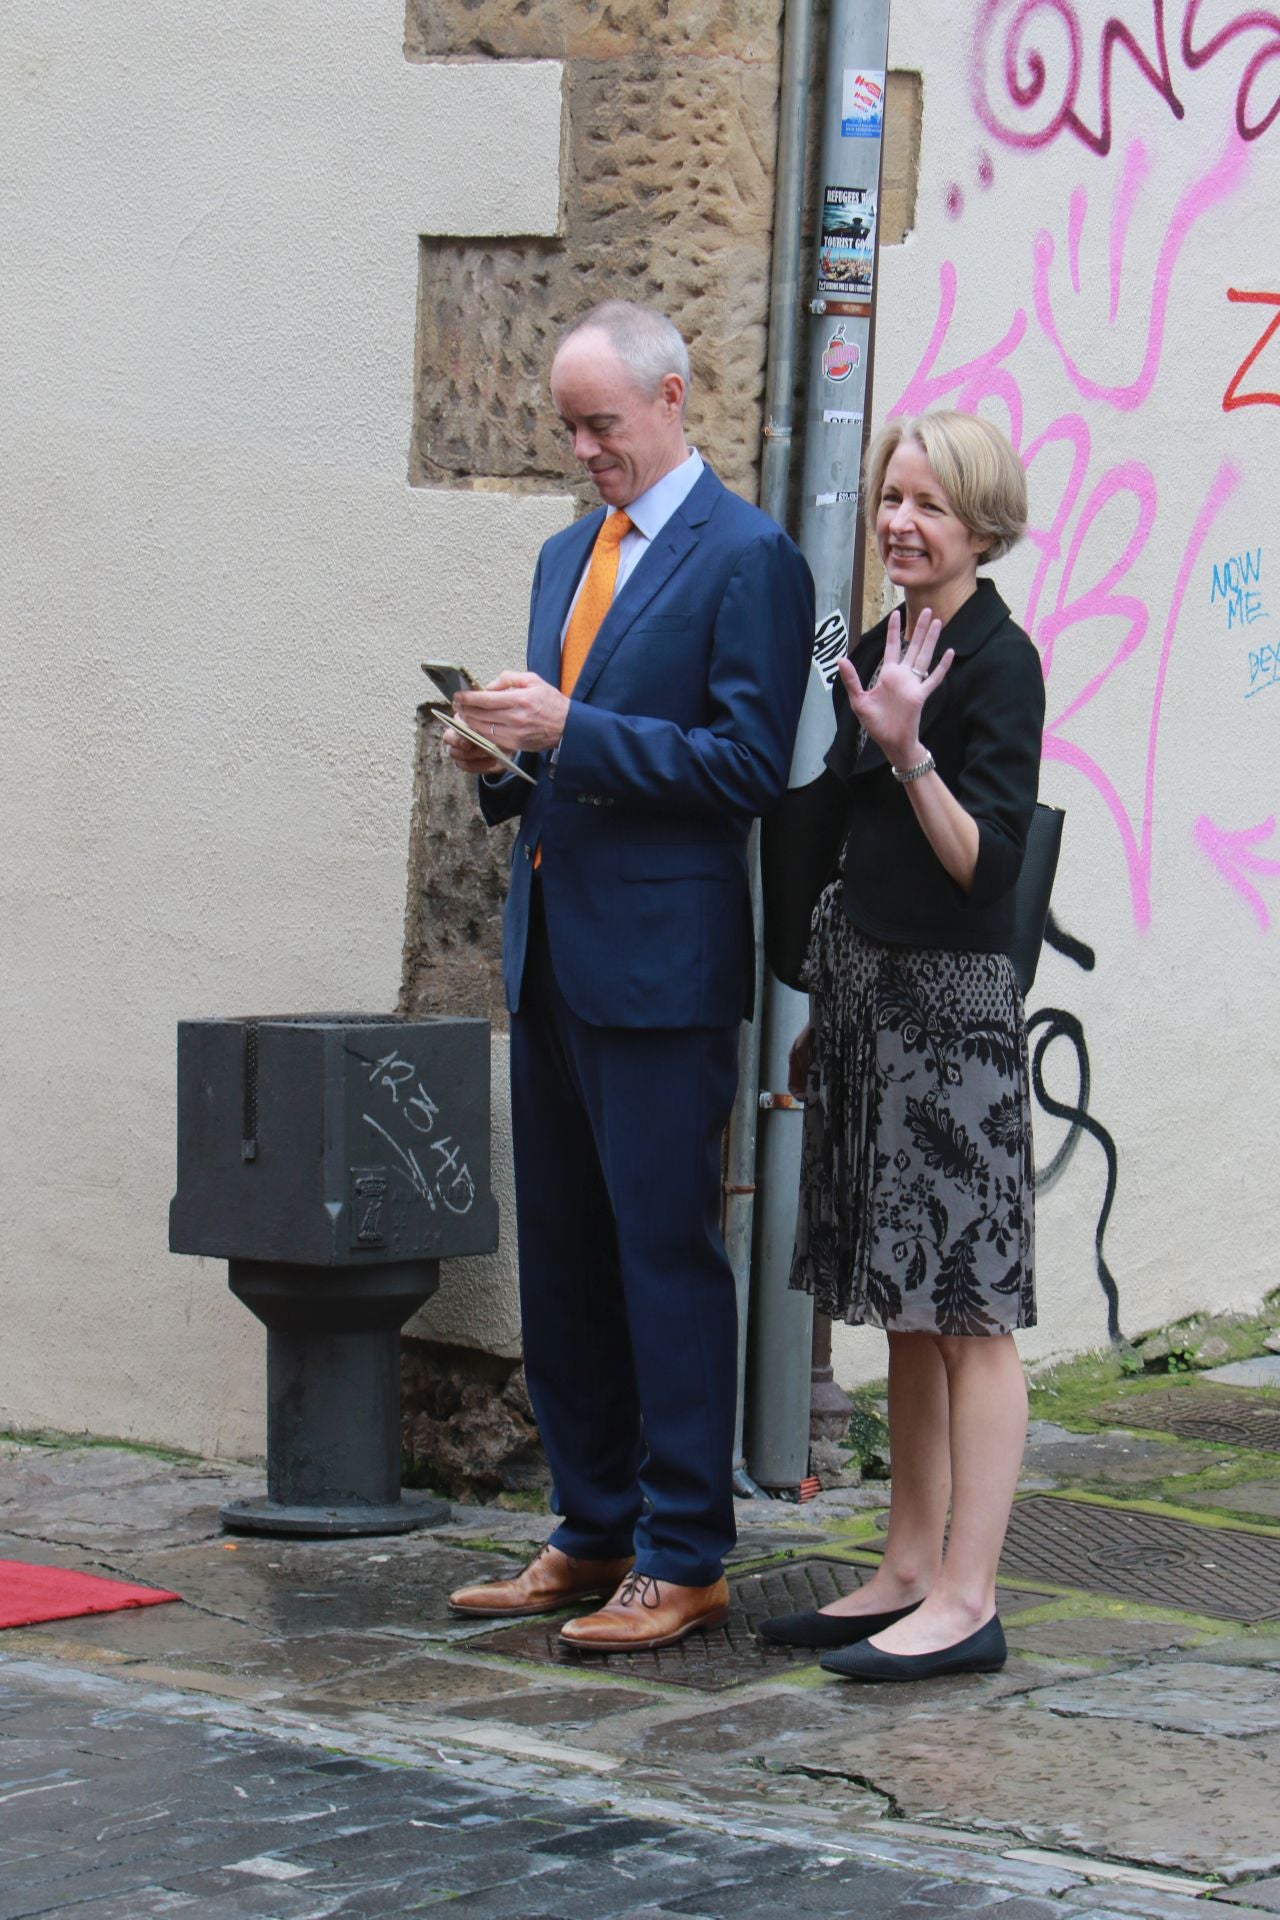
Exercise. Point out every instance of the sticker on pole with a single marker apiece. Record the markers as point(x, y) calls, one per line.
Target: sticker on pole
point(830, 645)
point(848, 242)
point(862, 104)
point(840, 357)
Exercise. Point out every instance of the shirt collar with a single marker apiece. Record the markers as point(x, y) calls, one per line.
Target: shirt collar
point(651, 510)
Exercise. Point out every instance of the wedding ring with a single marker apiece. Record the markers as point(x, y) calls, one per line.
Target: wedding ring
point(919, 673)
point(493, 731)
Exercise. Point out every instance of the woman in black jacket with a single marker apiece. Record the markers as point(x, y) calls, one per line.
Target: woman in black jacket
point(917, 1173)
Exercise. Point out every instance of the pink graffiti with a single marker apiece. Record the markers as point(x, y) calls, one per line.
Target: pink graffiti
point(1084, 523)
point(1075, 227)
point(1231, 852)
point(1137, 844)
point(1044, 93)
point(1136, 167)
point(1199, 198)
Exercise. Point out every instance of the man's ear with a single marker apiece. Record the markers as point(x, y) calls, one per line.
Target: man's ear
point(672, 393)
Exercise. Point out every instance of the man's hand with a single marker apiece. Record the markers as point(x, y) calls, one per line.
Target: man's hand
point(466, 758)
point(518, 711)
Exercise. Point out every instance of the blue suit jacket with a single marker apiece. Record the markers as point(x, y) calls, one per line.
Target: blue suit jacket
point(680, 732)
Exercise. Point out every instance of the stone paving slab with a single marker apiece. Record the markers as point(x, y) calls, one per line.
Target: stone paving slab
point(420, 1680)
point(1192, 1697)
point(1099, 1638)
point(1262, 1895)
point(213, 1650)
point(1256, 1647)
point(301, 1587)
point(1107, 1459)
point(1262, 1371)
point(113, 1492)
point(1198, 1803)
point(1253, 1497)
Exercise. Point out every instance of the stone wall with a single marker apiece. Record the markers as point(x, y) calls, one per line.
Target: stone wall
point(671, 126)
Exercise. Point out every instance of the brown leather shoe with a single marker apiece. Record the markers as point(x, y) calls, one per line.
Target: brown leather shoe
point(646, 1613)
point(550, 1581)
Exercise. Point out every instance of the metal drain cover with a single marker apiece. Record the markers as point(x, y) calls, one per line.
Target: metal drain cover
point(1221, 1571)
point(727, 1656)
point(1201, 1413)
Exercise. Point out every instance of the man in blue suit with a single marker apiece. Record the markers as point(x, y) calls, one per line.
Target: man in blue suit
point(669, 642)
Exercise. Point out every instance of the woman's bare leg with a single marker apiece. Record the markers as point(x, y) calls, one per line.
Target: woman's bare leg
point(921, 1479)
point(988, 1428)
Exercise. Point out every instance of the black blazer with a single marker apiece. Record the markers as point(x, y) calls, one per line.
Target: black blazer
point(983, 727)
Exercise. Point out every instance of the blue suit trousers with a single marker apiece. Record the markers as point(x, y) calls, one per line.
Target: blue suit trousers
point(627, 1297)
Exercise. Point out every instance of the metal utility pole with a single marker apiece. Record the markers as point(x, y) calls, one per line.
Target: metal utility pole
point(786, 1356)
point(775, 472)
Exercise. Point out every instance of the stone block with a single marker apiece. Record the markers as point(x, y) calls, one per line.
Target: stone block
point(467, 1422)
point(457, 886)
point(1187, 1697)
point(1193, 1802)
point(1262, 1371)
point(1263, 1896)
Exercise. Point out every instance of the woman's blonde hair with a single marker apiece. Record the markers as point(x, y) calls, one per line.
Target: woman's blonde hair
point(975, 466)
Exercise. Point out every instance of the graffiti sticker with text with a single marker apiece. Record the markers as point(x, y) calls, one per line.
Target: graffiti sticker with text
point(840, 357)
point(848, 242)
point(862, 104)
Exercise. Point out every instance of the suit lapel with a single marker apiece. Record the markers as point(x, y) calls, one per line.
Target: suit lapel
point(557, 593)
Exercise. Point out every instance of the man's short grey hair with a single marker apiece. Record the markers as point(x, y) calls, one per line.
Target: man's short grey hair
point(646, 342)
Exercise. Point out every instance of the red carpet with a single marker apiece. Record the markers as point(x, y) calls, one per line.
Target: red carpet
point(31, 1594)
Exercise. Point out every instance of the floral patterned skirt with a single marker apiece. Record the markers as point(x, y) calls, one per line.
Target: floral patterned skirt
point(917, 1177)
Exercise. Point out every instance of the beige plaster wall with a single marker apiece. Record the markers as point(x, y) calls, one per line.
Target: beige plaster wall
point(217, 587)
point(241, 252)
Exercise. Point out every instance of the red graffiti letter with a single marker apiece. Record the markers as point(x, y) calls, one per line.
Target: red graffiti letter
point(1233, 397)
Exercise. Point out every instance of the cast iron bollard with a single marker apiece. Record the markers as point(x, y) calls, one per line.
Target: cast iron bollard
point(333, 1160)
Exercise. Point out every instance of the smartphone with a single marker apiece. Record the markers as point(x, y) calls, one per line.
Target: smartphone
point(449, 679)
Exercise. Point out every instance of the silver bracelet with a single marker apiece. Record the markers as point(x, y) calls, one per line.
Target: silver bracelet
point(905, 775)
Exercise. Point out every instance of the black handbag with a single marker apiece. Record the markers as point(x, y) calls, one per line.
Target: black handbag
point(800, 846)
point(1032, 891)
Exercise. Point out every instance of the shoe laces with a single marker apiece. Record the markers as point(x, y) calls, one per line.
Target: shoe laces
point(642, 1587)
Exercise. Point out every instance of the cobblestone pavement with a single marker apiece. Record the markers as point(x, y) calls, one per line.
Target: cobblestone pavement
point(119, 1802)
point(308, 1731)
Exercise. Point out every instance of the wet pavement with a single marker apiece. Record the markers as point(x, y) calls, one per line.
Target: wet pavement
point(307, 1732)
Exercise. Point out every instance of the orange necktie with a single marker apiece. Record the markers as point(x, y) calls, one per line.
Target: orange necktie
point(594, 601)
point(590, 608)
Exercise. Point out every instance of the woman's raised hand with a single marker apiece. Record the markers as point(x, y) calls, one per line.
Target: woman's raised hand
point(890, 709)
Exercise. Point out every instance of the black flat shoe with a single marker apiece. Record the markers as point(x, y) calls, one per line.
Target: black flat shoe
point(982, 1652)
point(813, 1629)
